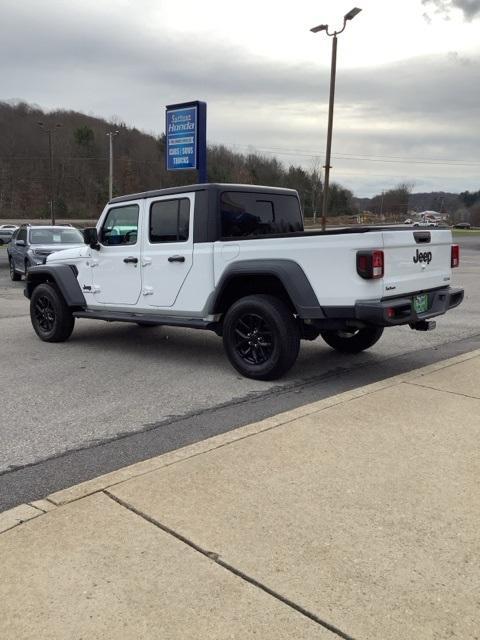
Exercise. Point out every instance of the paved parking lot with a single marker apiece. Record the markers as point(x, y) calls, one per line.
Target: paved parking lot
point(110, 381)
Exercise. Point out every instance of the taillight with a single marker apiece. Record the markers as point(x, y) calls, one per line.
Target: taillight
point(370, 264)
point(455, 261)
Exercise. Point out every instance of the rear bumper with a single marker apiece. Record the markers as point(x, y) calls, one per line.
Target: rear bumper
point(390, 312)
point(397, 311)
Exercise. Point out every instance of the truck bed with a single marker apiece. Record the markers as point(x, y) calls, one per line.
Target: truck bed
point(328, 259)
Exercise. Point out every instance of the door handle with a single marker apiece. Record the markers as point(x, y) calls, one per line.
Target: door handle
point(131, 259)
point(176, 259)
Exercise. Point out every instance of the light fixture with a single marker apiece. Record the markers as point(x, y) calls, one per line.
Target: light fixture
point(321, 27)
point(352, 13)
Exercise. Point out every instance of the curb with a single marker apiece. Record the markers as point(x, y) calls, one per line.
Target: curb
point(25, 512)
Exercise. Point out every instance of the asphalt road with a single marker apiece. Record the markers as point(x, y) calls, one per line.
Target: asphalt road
point(115, 393)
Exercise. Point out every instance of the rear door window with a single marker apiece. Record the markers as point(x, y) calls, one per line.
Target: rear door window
point(257, 214)
point(169, 221)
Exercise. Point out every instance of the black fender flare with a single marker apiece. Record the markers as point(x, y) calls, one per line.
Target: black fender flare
point(64, 277)
point(288, 272)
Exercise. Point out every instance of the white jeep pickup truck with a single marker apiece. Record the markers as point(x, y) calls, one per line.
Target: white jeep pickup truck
point(235, 259)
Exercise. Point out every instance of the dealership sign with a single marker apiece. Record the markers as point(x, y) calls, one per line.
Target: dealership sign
point(186, 144)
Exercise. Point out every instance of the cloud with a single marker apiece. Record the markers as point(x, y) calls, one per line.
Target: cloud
point(469, 8)
point(105, 62)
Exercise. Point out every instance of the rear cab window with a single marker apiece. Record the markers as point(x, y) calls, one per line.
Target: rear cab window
point(247, 214)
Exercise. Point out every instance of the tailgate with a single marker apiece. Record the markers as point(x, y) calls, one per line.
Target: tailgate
point(416, 260)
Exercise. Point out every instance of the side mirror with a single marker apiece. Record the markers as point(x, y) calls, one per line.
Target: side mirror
point(20, 243)
point(90, 237)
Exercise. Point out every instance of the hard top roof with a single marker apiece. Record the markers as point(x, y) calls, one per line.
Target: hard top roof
point(212, 186)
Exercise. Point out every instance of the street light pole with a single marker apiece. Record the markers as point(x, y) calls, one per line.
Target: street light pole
point(326, 178)
point(111, 135)
point(50, 155)
point(49, 132)
point(333, 71)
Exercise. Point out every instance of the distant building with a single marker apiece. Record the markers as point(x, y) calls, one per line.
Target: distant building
point(431, 216)
point(367, 217)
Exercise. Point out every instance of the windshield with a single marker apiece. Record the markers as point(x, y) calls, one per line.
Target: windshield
point(55, 236)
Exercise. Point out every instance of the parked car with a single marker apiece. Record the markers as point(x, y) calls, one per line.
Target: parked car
point(6, 232)
point(462, 225)
point(425, 223)
point(30, 245)
point(236, 260)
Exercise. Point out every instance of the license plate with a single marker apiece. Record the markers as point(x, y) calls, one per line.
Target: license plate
point(420, 303)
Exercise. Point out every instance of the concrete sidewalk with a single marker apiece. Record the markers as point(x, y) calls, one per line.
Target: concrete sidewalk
point(354, 517)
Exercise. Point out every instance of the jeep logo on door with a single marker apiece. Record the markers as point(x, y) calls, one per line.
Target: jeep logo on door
point(422, 256)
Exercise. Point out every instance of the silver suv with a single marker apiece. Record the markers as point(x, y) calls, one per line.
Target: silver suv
point(30, 245)
point(6, 232)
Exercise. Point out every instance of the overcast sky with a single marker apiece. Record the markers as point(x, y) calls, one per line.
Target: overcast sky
point(408, 77)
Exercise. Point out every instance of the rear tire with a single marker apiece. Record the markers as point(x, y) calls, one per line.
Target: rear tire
point(352, 342)
point(261, 337)
point(14, 276)
point(51, 318)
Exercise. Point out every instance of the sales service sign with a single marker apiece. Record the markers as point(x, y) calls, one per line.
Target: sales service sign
point(182, 131)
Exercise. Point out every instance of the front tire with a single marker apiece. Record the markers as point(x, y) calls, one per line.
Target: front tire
point(14, 276)
point(261, 337)
point(51, 318)
point(353, 341)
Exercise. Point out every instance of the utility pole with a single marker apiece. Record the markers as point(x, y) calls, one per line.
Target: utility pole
point(49, 132)
point(333, 70)
point(111, 135)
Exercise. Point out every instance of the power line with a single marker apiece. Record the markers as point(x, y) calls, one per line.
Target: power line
point(431, 163)
point(274, 151)
point(27, 158)
point(347, 156)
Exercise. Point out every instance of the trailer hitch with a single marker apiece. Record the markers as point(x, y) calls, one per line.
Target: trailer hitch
point(423, 325)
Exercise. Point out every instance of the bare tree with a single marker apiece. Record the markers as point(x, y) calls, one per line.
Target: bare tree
point(81, 165)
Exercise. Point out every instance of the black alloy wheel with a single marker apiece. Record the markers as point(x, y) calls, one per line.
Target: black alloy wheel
point(44, 313)
point(50, 316)
point(253, 338)
point(261, 337)
point(352, 340)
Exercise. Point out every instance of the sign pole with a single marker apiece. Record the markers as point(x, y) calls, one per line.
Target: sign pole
point(202, 143)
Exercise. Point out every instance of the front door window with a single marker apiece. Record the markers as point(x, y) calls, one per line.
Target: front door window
point(120, 226)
